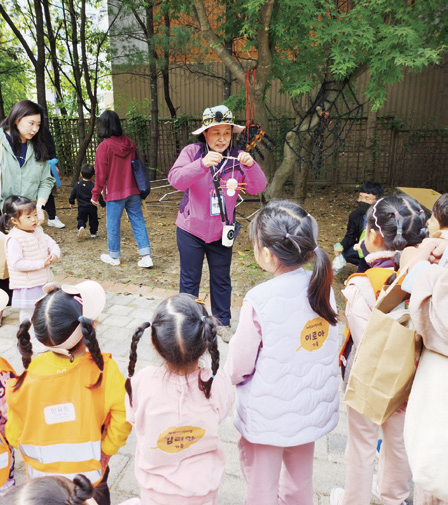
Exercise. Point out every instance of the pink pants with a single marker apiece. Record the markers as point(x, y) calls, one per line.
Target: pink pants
point(394, 474)
point(277, 475)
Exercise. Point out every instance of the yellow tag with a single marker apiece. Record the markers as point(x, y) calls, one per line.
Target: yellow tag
point(178, 438)
point(314, 334)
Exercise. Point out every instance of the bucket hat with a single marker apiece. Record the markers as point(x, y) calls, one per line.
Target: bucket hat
point(216, 116)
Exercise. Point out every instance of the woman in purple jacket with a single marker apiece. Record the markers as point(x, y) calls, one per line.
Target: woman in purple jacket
point(211, 173)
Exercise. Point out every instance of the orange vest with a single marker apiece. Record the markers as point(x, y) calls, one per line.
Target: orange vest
point(377, 278)
point(62, 421)
point(5, 451)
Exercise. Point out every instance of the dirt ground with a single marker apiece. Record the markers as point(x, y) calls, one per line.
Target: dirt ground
point(81, 258)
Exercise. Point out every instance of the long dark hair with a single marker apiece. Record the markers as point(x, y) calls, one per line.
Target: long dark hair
point(109, 125)
point(181, 331)
point(290, 233)
point(55, 318)
point(20, 110)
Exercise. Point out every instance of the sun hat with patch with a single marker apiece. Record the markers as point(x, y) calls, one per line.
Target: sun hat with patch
point(217, 116)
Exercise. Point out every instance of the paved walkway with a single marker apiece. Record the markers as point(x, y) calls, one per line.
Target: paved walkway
point(122, 314)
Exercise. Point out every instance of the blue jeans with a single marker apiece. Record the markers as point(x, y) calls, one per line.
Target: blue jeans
point(114, 209)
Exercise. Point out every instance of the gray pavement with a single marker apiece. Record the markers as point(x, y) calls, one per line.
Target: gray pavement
point(122, 314)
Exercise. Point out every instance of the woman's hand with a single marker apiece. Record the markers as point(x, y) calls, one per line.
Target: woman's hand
point(212, 158)
point(245, 159)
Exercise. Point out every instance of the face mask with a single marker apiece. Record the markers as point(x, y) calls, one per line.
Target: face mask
point(363, 207)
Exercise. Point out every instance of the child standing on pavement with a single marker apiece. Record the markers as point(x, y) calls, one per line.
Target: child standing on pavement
point(177, 408)
point(82, 191)
point(393, 223)
point(66, 412)
point(284, 359)
point(29, 253)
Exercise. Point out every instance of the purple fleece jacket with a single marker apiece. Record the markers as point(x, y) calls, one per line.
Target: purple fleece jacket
point(189, 174)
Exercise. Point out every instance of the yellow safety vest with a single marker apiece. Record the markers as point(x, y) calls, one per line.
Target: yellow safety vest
point(62, 421)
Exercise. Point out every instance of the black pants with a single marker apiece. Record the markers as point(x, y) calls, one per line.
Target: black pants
point(219, 257)
point(88, 214)
point(50, 207)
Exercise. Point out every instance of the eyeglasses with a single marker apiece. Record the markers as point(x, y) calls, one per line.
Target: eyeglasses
point(217, 117)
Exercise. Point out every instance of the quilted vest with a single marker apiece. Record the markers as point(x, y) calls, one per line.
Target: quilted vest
point(62, 421)
point(35, 248)
point(292, 398)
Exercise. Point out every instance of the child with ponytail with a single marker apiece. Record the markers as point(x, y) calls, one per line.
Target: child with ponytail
point(283, 358)
point(393, 223)
point(66, 412)
point(177, 408)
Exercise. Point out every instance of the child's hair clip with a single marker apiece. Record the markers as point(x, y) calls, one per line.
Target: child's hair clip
point(201, 302)
point(203, 318)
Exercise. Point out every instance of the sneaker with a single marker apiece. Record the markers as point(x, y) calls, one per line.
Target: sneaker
point(111, 261)
point(82, 232)
point(145, 262)
point(94, 235)
point(336, 496)
point(56, 223)
point(226, 333)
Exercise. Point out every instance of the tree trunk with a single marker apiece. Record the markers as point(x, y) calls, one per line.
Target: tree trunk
point(40, 68)
point(165, 70)
point(54, 56)
point(2, 105)
point(371, 145)
point(154, 89)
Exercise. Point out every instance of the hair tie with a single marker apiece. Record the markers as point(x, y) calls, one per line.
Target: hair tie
point(420, 211)
point(212, 376)
point(396, 212)
point(201, 302)
point(423, 229)
point(203, 318)
point(376, 219)
point(287, 235)
point(399, 230)
point(80, 318)
point(316, 248)
point(129, 376)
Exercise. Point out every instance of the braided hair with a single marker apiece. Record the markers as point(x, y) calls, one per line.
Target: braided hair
point(290, 234)
point(52, 490)
point(181, 332)
point(55, 318)
point(400, 221)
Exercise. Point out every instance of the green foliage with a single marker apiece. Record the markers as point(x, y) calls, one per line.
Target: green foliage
point(311, 37)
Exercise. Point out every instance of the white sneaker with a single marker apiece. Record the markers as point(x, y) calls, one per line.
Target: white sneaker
point(94, 235)
point(111, 261)
point(82, 232)
point(336, 496)
point(56, 223)
point(145, 262)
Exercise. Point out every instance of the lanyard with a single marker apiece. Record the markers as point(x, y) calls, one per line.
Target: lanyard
point(218, 194)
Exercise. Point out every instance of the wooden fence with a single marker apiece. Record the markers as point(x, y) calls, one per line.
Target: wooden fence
point(414, 158)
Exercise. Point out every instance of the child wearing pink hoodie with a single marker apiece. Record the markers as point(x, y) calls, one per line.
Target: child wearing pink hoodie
point(177, 408)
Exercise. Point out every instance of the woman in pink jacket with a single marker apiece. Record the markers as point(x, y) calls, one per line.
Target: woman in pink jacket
point(212, 173)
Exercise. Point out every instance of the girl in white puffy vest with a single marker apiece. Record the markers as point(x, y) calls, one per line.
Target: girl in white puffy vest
point(283, 359)
point(29, 253)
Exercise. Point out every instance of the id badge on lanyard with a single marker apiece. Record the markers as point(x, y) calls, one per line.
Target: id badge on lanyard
point(214, 205)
